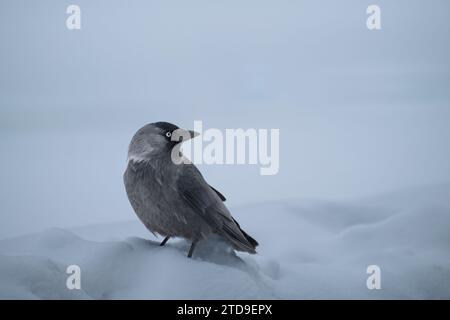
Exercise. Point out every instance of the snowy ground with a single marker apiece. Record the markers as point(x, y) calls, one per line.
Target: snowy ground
point(308, 249)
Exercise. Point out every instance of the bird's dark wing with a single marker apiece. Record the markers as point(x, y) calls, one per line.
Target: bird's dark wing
point(204, 201)
point(221, 196)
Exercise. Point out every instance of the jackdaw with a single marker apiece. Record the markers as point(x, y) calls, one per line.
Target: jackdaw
point(173, 199)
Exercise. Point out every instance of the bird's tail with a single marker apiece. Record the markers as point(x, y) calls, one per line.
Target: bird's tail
point(240, 240)
point(252, 241)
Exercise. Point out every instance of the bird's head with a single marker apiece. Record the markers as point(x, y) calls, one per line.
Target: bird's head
point(157, 139)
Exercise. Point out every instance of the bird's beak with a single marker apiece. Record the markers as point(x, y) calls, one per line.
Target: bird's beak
point(181, 135)
point(193, 134)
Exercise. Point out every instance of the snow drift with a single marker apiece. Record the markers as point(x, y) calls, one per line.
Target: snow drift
point(308, 249)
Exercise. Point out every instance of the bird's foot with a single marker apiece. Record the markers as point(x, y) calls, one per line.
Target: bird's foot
point(191, 249)
point(164, 241)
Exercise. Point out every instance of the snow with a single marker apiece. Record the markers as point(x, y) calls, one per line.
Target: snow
point(308, 250)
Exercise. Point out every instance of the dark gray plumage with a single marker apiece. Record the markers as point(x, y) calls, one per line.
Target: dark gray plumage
point(174, 200)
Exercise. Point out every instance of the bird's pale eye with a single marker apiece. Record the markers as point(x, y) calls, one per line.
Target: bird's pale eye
point(168, 134)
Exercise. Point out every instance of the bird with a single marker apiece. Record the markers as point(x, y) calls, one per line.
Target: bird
point(171, 198)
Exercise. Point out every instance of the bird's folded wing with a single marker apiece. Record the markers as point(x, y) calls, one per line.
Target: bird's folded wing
point(221, 196)
point(205, 202)
point(201, 197)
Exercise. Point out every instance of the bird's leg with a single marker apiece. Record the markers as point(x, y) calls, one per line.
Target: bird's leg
point(191, 250)
point(164, 241)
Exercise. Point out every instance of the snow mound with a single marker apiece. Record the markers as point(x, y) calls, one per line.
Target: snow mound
point(308, 249)
point(34, 267)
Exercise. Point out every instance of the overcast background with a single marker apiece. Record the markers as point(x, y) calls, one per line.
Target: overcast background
point(360, 112)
